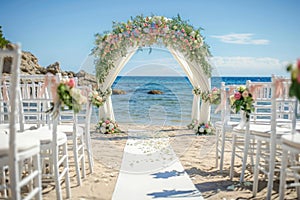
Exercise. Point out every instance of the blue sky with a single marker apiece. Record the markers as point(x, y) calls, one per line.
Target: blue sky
point(257, 37)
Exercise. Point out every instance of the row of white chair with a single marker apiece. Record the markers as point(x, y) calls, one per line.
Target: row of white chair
point(32, 97)
point(273, 116)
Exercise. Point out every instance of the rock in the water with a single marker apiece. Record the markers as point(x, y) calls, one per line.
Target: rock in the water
point(155, 92)
point(118, 91)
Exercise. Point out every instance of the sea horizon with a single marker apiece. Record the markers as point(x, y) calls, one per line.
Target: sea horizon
point(172, 107)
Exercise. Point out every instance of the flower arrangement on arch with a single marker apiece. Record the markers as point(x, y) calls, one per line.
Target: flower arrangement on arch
point(67, 97)
point(242, 100)
point(197, 91)
point(201, 128)
point(97, 97)
point(294, 90)
point(143, 31)
point(213, 97)
point(107, 126)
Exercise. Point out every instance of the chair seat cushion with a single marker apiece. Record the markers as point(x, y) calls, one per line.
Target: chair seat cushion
point(263, 130)
point(292, 140)
point(23, 143)
point(26, 126)
point(68, 129)
point(44, 135)
point(228, 127)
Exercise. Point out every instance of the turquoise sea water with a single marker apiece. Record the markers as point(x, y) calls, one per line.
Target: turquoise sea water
point(173, 107)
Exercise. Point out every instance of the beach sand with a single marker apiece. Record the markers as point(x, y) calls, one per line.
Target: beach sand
point(196, 153)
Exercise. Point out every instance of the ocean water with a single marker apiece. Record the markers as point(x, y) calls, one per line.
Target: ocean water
point(173, 107)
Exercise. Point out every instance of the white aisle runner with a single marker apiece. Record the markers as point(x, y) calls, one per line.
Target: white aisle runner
point(151, 170)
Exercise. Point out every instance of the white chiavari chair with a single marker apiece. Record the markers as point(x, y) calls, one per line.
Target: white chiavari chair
point(268, 133)
point(68, 124)
point(16, 150)
point(37, 97)
point(77, 128)
point(225, 126)
point(84, 121)
point(290, 164)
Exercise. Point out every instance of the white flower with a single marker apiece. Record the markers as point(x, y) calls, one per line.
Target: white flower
point(146, 30)
point(193, 33)
point(103, 124)
point(201, 130)
point(208, 130)
point(99, 99)
point(111, 126)
point(102, 129)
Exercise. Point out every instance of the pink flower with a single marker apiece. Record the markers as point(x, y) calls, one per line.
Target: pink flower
point(298, 77)
point(298, 64)
point(237, 95)
point(215, 89)
point(107, 121)
point(71, 83)
point(206, 126)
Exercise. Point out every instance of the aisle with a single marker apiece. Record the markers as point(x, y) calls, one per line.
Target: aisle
point(151, 170)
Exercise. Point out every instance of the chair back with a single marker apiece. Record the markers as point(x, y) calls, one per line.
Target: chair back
point(37, 99)
point(262, 95)
point(4, 100)
point(15, 55)
point(284, 108)
point(227, 114)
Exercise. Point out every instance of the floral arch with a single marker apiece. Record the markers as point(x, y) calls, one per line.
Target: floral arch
point(114, 49)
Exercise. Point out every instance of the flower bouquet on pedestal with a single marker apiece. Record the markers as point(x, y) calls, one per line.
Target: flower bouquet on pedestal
point(108, 126)
point(242, 101)
point(201, 128)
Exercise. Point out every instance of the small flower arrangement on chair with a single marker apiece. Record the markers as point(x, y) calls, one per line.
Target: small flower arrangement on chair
point(67, 97)
point(242, 100)
point(107, 126)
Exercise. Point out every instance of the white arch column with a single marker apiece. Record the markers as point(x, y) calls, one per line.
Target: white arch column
point(106, 111)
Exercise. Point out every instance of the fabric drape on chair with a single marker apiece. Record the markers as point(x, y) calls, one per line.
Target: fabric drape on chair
point(199, 80)
point(106, 111)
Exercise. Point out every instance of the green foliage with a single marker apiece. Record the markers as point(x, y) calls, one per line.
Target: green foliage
point(3, 41)
point(294, 90)
point(143, 31)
